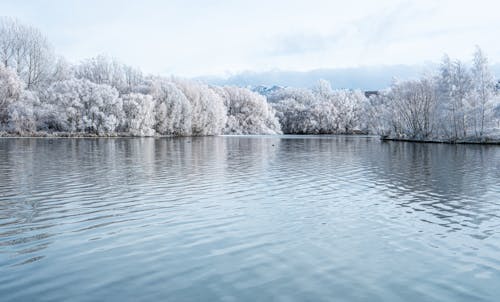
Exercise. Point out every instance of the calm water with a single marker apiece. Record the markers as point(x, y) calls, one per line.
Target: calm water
point(248, 219)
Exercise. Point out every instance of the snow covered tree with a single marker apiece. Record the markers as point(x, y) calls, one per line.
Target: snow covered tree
point(139, 119)
point(22, 114)
point(483, 88)
point(11, 88)
point(81, 106)
point(173, 109)
point(321, 110)
point(456, 104)
point(62, 70)
point(208, 113)
point(293, 109)
point(379, 113)
point(349, 106)
point(39, 91)
point(104, 70)
point(294, 117)
point(413, 106)
point(26, 50)
point(248, 112)
point(455, 88)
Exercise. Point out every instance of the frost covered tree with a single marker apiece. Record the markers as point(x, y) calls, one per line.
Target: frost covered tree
point(208, 112)
point(301, 95)
point(26, 50)
point(455, 88)
point(496, 113)
point(413, 108)
point(321, 110)
point(139, 119)
point(379, 113)
point(457, 104)
point(62, 70)
point(293, 109)
point(349, 108)
point(248, 112)
point(39, 91)
point(294, 117)
point(22, 113)
point(81, 106)
point(483, 89)
point(172, 108)
point(104, 70)
point(11, 88)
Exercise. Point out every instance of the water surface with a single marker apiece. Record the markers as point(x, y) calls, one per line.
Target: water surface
point(281, 218)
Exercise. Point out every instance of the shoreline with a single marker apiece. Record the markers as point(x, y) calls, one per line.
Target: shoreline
point(449, 142)
point(79, 135)
point(486, 142)
point(128, 135)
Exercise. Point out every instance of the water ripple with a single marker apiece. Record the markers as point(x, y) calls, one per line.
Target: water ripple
point(285, 218)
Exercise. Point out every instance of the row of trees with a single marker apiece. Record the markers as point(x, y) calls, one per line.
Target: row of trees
point(40, 92)
point(320, 110)
point(455, 103)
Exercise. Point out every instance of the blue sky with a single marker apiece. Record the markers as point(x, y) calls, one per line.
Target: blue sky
point(195, 38)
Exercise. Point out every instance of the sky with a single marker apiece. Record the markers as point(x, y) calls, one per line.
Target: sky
point(200, 38)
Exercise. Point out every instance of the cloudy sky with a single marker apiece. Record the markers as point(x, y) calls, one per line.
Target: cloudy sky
point(209, 37)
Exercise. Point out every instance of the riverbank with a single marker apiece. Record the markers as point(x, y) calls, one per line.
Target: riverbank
point(483, 141)
point(42, 134)
point(72, 135)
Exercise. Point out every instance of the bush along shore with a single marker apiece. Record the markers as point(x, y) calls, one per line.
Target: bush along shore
point(42, 95)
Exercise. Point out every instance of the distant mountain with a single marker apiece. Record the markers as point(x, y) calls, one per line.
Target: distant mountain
point(265, 90)
point(364, 78)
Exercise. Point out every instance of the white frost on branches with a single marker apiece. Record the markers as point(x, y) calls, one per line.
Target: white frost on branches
point(40, 91)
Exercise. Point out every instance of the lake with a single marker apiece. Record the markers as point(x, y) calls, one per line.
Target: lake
point(248, 218)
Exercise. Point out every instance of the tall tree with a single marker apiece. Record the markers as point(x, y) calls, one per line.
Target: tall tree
point(483, 89)
point(10, 90)
point(27, 51)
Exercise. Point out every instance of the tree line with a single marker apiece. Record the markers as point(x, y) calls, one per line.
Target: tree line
point(455, 103)
point(43, 93)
